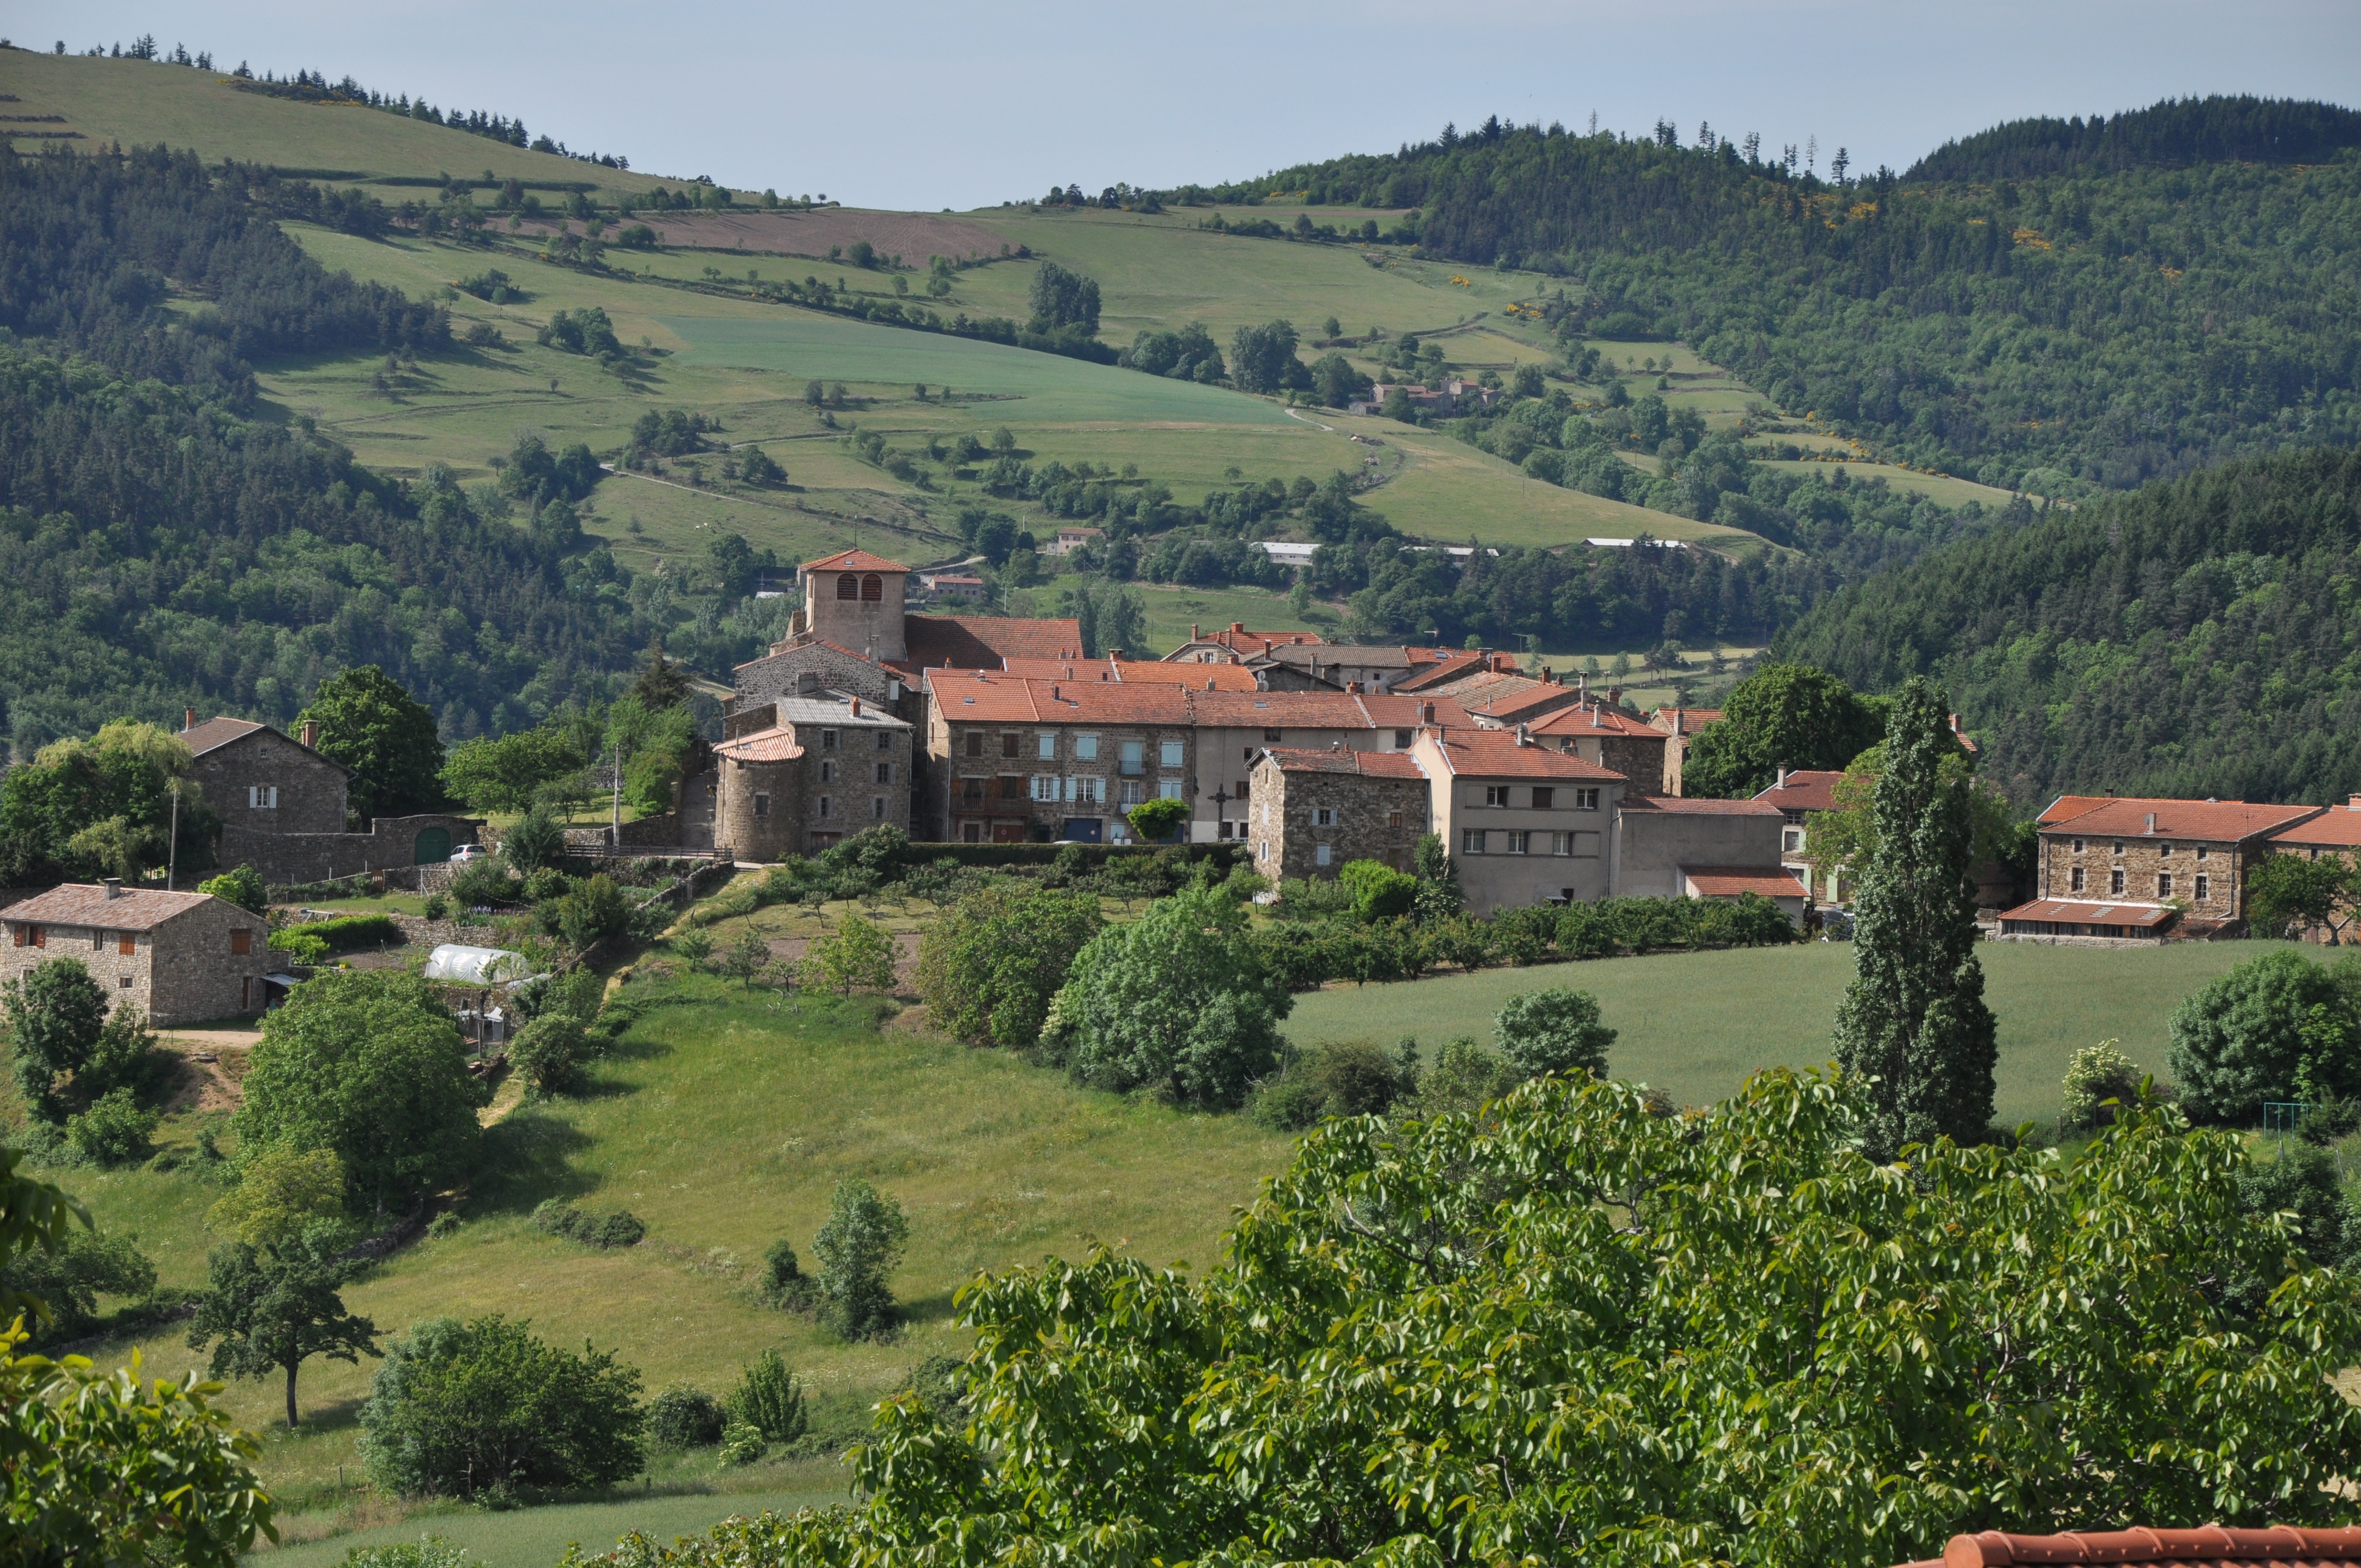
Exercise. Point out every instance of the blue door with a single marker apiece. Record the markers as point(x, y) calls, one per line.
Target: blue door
point(1082, 830)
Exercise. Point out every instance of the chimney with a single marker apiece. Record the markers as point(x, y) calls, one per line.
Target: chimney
point(2151, 821)
point(1614, 697)
point(1054, 697)
point(114, 886)
point(1194, 635)
point(1426, 713)
point(2111, 792)
point(1524, 735)
point(1352, 689)
point(856, 707)
point(1209, 683)
point(2353, 803)
point(1237, 628)
point(1680, 722)
point(190, 721)
point(1782, 779)
point(1596, 722)
point(310, 734)
point(1114, 655)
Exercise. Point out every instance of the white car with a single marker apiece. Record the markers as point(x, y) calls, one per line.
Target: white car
point(466, 853)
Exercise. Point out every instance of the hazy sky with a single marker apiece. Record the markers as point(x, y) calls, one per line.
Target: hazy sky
point(921, 103)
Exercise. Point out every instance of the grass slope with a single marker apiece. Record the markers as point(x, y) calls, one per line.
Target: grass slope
point(137, 102)
point(535, 1538)
point(725, 1123)
point(1696, 1024)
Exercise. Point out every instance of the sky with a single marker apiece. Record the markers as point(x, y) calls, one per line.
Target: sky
point(924, 103)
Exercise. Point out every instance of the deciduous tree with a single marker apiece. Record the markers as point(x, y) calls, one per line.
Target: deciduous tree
point(386, 737)
point(271, 1309)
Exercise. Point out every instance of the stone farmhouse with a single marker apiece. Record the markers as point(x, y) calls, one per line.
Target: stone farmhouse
point(1023, 760)
point(1680, 725)
point(1604, 733)
point(181, 958)
point(802, 771)
point(283, 805)
point(1234, 729)
point(2133, 869)
point(2335, 832)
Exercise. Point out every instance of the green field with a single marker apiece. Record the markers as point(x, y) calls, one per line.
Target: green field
point(1696, 1024)
point(139, 103)
point(537, 1538)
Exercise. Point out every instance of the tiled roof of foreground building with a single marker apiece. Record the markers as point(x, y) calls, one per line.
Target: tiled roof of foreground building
point(2210, 1546)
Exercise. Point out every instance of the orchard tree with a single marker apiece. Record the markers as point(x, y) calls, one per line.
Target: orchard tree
point(1557, 1030)
point(1913, 1018)
point(989, 966)
point(269, 1308)
point(386, 737)
point(857, 1250)
point(55, 1016)
point(2286, 893)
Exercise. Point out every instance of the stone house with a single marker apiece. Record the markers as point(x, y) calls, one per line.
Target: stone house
point(1524, 824)
point(2335, 832)
point(822, 766)
point(1026, 761)
point(182, 958)
point(2156, 863)
point(1602, 732)
point(283, 811)
point(1072, 536)
point(1234, 729)
point(1313, 810)
point(1236, 645)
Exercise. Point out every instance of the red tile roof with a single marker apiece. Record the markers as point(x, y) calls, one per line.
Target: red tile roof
point(1495, 753)
point(135, 909)
point(2211, 1544)
point(1196, 677)
point(777, 744)
point(1340, 760)
point(1447, 668)
point(2066, 807)
point(1728, 882)
point(1397, 711)
point(988, 698)
point(2091, 912)
point(1273, 710)
point(1595, 718)
point(854, 561)
point(1805, 789)
point(985, 642)
point(1691, 805)
point(1691, 719)
point(2220, 821)
point(2338, 828)
point(1252, 644)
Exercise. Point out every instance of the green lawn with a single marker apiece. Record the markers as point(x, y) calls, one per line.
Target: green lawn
point(725, 1126)
point(1696, 1024)
point(537, 1538)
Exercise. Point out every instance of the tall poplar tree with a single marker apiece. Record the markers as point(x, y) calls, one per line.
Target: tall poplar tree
point(1914, 1017)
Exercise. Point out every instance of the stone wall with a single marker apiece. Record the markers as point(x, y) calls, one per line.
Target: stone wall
point(762, 807)
point(1375, 819)
point(291, 858)
point(1653, 844)
point(2142, 862)
point(311, 788)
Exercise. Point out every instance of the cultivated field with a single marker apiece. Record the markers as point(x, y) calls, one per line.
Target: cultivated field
point(1696, 1024)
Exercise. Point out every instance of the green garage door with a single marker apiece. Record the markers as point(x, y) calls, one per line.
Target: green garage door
point(434, 846)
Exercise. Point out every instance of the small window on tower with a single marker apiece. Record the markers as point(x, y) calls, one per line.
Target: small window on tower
point(847, 587)
point(762, 807)
point(872, 588)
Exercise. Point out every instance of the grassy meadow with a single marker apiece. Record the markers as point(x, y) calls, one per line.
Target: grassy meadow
point(1695, 1025)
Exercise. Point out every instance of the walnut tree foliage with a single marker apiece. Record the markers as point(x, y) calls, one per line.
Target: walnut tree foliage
point(1564, 1327)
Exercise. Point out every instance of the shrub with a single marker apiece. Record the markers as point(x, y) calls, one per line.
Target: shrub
point(682, 1416)
point(241, 886)
point(315, 939)
point(2275, 1028)
point(1357, 1078)
point(426, 1551)
point(464, 1409)
point(535, 843)
point(593, 912)
point(55, 1016)
point(856, 1249)
point(988, 967)
point(438, 906)
point(784, 1284)
point(548, 1050)
point(742, 1443)
point(769, 1400)
point(113, 1131)
point(1463, 1076)
point(1380, 891)
point(558, 1217)
point(693, 947)
point(1557, 1030)
point(1289, 1103)
point(70, 1278)
point(1156, 821)
point(2098, 1073)
point(856, 955)
point(482, 883)
point(545, 884)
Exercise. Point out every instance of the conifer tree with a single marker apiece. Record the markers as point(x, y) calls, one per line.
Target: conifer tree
point(1914, 1017)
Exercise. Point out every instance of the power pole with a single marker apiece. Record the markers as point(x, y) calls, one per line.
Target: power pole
point(172, 846)
point(615, 832)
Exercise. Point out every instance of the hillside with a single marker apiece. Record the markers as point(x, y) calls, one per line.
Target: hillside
point(2110, 324)
point(2195, 638)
